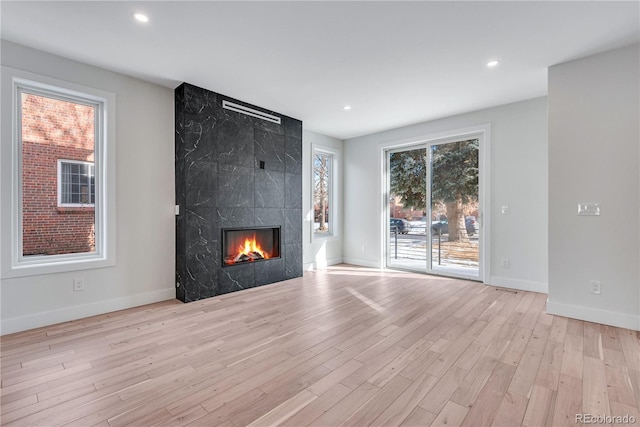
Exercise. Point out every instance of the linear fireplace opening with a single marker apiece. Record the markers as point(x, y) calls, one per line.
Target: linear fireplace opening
point(242, 245)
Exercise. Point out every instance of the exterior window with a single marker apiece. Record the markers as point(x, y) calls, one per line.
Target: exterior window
point(59, 181)
point(51, 129)
point(323, 193)
point(76, 184)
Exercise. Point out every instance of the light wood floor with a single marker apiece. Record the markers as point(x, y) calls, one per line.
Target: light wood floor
point(347, 346)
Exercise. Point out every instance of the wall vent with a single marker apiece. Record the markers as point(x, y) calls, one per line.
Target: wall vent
point(250, 112)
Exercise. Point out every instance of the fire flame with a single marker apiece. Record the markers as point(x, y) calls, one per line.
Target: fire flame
point(250, 245)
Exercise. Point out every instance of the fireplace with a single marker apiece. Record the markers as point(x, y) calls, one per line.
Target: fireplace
point(245, 245)
point(234, 172)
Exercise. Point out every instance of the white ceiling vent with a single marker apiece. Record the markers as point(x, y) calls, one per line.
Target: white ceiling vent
point(250, 112)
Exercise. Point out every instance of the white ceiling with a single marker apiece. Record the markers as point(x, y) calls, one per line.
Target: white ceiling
point(395, 63)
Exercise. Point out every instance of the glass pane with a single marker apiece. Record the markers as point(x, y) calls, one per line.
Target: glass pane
point(322, 193)
point(93, 185)
point(54, 130)
point(407, 242)
point(454, 206)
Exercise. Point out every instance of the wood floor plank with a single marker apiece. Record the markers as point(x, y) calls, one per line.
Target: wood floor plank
point(335, 377)
point(45, 404)
point(343, 346)
point(527, 369)
point(619, 386)
point(595, 397)
point(634, 378)
point(558, 329)
point(418, 418)
point(471, 356)
point(404, 405)
point(469, 389)
point(276, 397)
point(19, 403)
point(572, 359)
point(223, 413)
point(511, 411)
point(490, 398)
point(347, 406)
point(318, 407)
point(416, 368)
point(368, 412)
point(439, 395)
point(285, 410)
point(368, 370)
point(389, 371)
point(549, 370)
point(541, 406)
point(568, 401)
point(517, 346)
point(446, 360)
point(240, 386)
point(451, 415)
point(630, 343)
point(354, 350)
point(183, 418)
point(593, 341)
point(626, 413)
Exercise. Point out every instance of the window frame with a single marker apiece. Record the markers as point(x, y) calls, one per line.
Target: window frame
point(12, 261)
point(334, 195)
point(59, 184)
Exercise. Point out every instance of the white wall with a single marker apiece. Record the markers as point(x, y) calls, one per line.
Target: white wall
point(145, 222)
point(319, 252)
point(594, 139)
point(518, 162)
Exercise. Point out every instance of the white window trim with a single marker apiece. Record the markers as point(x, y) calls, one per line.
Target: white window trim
point(334, 195)
point(71, 205)
point(12, 262)
point(483, 133)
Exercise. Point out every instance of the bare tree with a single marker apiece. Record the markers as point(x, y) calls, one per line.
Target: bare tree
point(321, 166)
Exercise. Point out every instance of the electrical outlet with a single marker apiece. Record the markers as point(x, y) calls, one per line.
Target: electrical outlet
point(595, 287)
point(505, 263)
point(588, 209)
point(78, 284)
point(505, 209)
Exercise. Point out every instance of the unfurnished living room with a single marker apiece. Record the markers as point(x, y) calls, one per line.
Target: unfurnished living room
point(320, 213)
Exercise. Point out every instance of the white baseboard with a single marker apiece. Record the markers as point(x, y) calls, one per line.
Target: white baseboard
point(522, 285)
point(316, 266)
point(362, 262)
point(611, 318)
point(23, 323)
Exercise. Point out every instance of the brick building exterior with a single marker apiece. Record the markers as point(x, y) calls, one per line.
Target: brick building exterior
point(54, 130)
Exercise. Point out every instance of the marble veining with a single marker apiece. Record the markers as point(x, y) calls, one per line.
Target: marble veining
point(233, 170)
point(269, 189)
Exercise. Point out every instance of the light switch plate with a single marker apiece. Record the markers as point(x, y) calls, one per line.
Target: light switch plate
point(588, 209)
point(177, 209)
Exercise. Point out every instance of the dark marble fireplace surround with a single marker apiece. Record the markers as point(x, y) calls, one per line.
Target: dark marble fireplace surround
point(232, 171)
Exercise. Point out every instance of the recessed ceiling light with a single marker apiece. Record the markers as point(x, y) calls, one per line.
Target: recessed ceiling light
point(347, 107)
point(493, 63)
point(141, 17)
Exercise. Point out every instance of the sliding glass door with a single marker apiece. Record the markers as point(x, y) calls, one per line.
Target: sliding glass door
point(407, 210)
point(433, 218)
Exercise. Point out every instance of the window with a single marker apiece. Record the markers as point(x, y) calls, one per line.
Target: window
point(325, 197)
point(59, 184)
point(76, 184)
point(322, 192)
